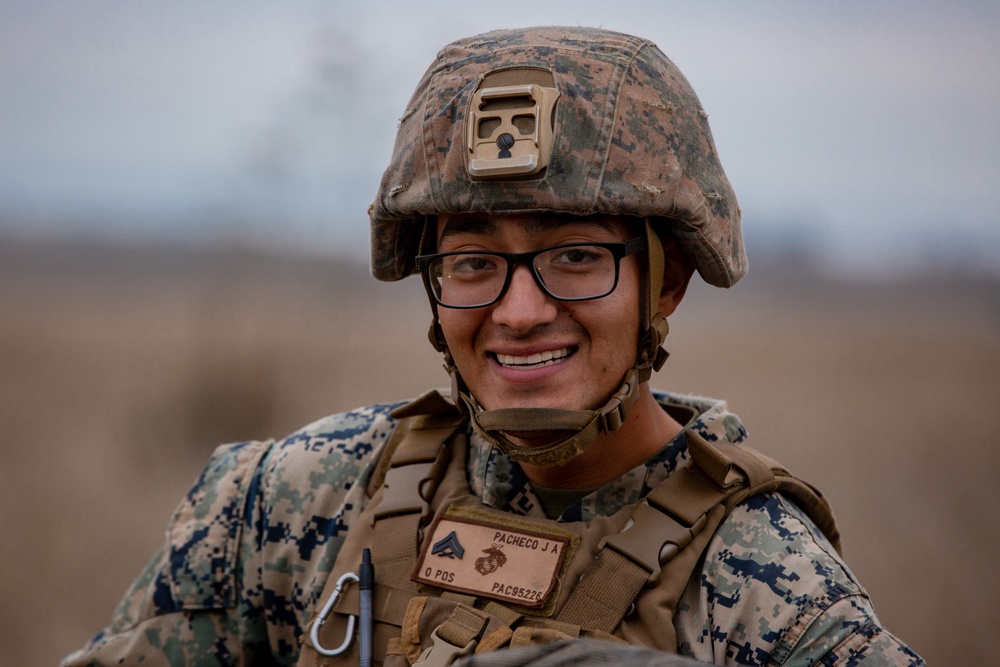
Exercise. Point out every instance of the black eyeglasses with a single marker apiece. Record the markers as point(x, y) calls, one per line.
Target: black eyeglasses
point(569, 272)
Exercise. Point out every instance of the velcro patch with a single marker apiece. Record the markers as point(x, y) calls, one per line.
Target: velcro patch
point(481, 554)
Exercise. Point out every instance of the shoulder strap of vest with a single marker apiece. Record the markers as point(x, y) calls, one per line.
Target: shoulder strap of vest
point(411, 463)
point(673, 526)
point(722, 461)
point(408, 473)
point(425, 415)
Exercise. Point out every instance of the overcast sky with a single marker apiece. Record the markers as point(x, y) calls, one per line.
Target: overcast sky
point(867, 127)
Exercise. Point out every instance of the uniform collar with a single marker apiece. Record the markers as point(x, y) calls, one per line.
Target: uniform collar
point(500, 483)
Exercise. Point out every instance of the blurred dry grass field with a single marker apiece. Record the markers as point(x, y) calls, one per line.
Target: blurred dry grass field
point(121, 369)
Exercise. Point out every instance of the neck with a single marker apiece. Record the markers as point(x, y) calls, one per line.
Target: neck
point(647, 429)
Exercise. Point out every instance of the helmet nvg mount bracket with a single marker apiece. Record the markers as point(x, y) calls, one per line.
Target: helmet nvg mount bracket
point(510, 126)
point(570, 121)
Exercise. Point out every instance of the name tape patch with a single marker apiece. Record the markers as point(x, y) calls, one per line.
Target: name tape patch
point(476, 556)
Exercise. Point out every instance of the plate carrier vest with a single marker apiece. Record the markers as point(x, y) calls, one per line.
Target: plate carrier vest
point(620, 581)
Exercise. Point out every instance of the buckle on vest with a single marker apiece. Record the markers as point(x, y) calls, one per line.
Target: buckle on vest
point(442, 653)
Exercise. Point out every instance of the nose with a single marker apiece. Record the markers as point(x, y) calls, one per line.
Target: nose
point(524, 306)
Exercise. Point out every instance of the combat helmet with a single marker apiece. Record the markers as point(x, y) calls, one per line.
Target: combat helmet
point(565, 120)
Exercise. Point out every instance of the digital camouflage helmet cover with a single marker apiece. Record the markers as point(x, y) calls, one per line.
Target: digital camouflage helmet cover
point(577, 121)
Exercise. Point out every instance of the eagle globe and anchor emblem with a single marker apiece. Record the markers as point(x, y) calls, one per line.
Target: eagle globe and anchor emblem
point(494, 559)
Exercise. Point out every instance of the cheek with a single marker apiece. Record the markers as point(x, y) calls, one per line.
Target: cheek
point(627, 308)
point(612, 328)
point(459, 327)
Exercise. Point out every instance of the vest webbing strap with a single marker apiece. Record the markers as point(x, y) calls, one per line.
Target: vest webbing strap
point(661, 529)
point(402, 513)
point(463, 626)
point(686, 508)
point(603, 596)
point(407, 476)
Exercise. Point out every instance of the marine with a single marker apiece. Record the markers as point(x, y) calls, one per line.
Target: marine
point(556, 189)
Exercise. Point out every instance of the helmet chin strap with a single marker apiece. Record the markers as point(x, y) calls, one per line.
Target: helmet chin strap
point(568, 433)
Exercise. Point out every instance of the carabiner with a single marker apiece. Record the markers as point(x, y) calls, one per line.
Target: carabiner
point(318, 623)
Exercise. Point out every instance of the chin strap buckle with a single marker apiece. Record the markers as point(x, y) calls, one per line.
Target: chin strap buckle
point(613, 414)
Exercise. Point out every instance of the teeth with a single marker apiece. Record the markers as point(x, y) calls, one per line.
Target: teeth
point(546, 358)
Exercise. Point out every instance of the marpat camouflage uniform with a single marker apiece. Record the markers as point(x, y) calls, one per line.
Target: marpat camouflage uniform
point(250, 547)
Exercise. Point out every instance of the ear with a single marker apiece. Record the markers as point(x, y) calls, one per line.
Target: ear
point(678, 267)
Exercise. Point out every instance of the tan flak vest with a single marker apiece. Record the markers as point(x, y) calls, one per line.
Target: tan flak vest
point(617, 577)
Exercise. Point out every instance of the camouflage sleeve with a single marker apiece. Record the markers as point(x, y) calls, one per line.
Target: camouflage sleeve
point(176, 608)
point(862, 641)
point(773, 591)
point(247, 550)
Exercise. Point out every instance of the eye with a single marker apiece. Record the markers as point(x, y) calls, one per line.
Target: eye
point(579, 256)
point(469, 267)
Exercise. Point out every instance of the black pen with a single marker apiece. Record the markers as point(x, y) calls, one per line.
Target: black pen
point(366, 579)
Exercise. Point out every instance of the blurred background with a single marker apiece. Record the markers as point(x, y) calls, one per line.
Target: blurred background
point(183, 262)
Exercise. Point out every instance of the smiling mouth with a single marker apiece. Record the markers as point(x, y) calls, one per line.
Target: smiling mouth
point(537, 360)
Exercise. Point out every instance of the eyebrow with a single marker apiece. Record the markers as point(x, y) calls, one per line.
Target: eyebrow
point(469, 225)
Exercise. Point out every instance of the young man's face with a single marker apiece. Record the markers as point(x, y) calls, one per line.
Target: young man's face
point(528, 349)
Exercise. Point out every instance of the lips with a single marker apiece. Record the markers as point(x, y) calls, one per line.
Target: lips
point(532, 361)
